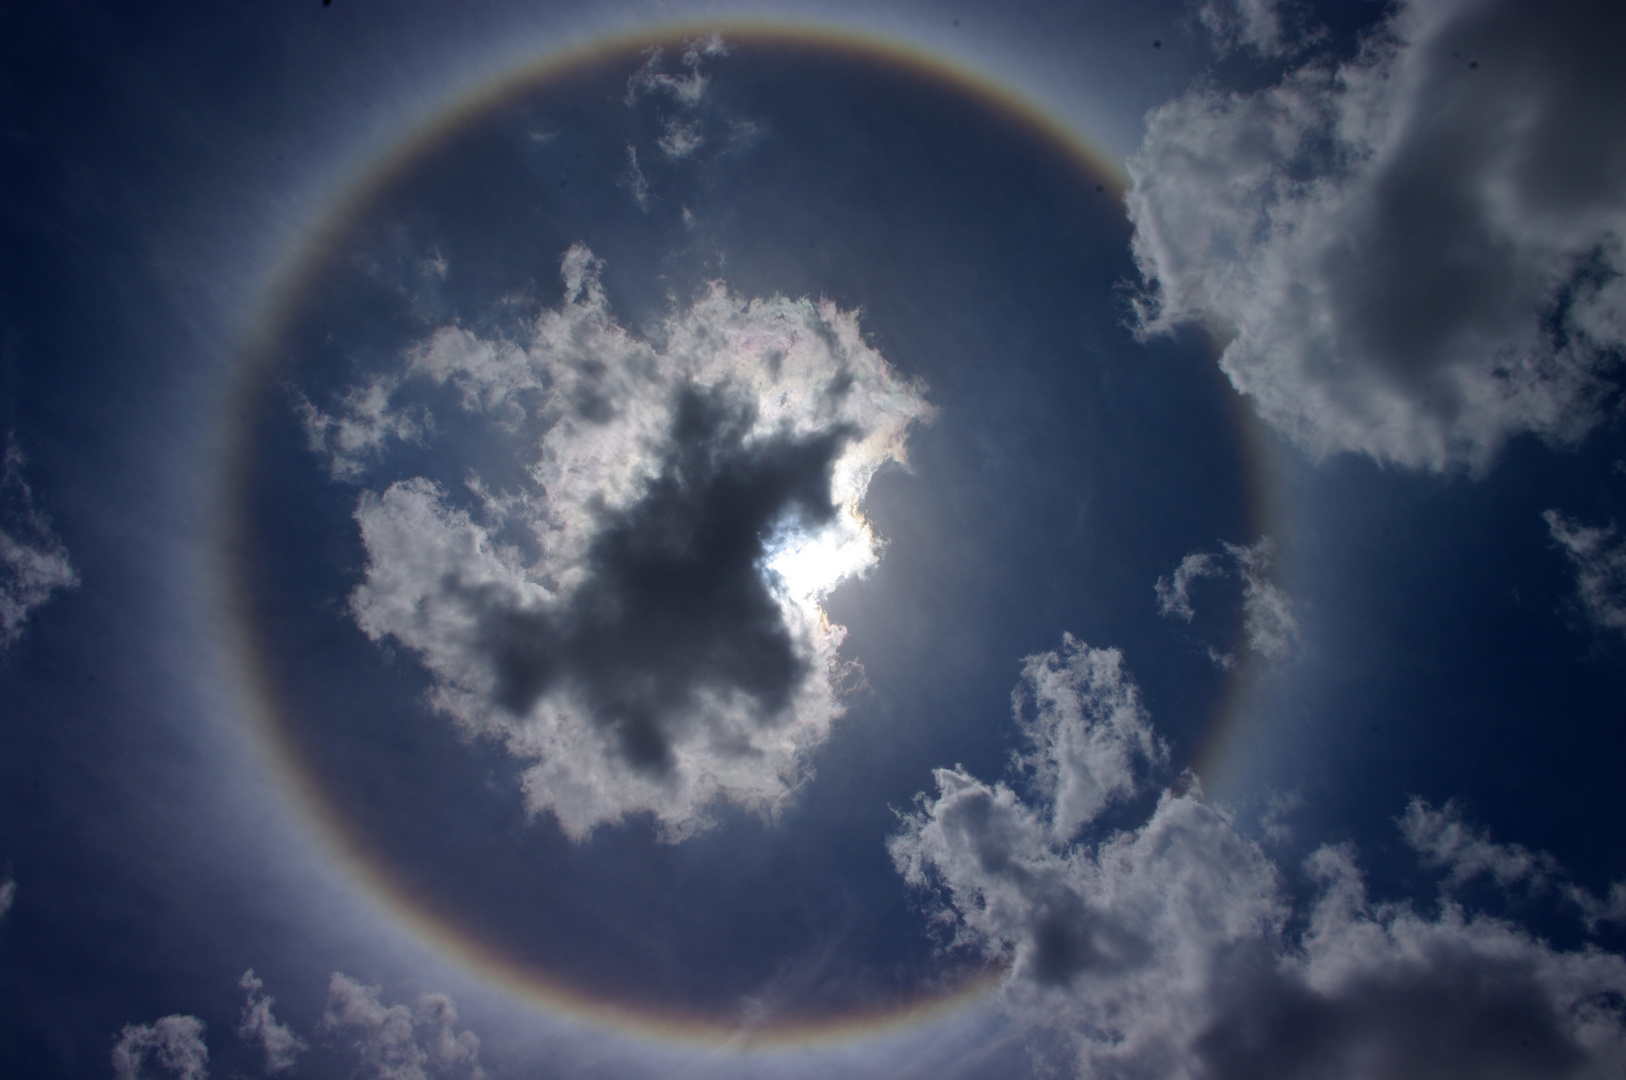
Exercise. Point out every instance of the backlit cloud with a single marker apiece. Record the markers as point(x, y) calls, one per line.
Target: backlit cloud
point(1172, 949)
point(635, 612)
point(1415, 254)
point(33, 561)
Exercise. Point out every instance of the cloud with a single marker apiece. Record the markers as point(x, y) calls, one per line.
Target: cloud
point(1446, 842)
point(1255, 25)
point(1087, 734)
point(398, 1043)
point(634, 180)
point(279, 1042)
point(1268, 620)
point(177, 1042)
point(686, 90)
point(1611, 909)
point(358, 431)
point(1600, 568)
point(8, 893)
point(1172, 949)
point(1415, 254)
point(680, 139)
point(33, 561)
point(636, 615)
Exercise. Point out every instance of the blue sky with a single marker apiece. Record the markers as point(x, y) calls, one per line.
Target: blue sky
point(888, 540)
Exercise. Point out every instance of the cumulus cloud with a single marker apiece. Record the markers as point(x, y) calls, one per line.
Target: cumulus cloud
point(276, 1039)
point(1268, 621)
point(33, 561)
point(1415, 254)
point(1172, 949)
point(400, 1043)
point(1599, 558)
point(637, 613)
point(175, 1041)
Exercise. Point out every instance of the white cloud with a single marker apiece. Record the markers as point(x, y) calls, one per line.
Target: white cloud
point(398, 1043)
point(637, 615)
point(1172, 951)
point(8, 893)
point(1600, 568)
point(1415, 254)
point(176, 1041)
point(33, 561)
point(1269, 623)
point(276, 1039)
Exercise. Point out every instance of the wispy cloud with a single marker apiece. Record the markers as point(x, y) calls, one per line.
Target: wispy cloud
point(1262, 27)
point(281, 1046)
point(686, 88)
point(1445, 841)
point(33, 561)
point(639, 619)
point(8, 893)
point(678, 139)
point(1173, 949)
point(1599, 558)
point(175, 1041)
point(1269, 622)
point(1415, 254)
point(635, 181)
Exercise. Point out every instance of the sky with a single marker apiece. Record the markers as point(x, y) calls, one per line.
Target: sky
point(653, 540)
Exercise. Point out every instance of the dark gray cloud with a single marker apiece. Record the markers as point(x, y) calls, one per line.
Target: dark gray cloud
point(676, 608)
point(34, 563)
point(637, 617)
point(1415, 254)
point(1171, 950)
